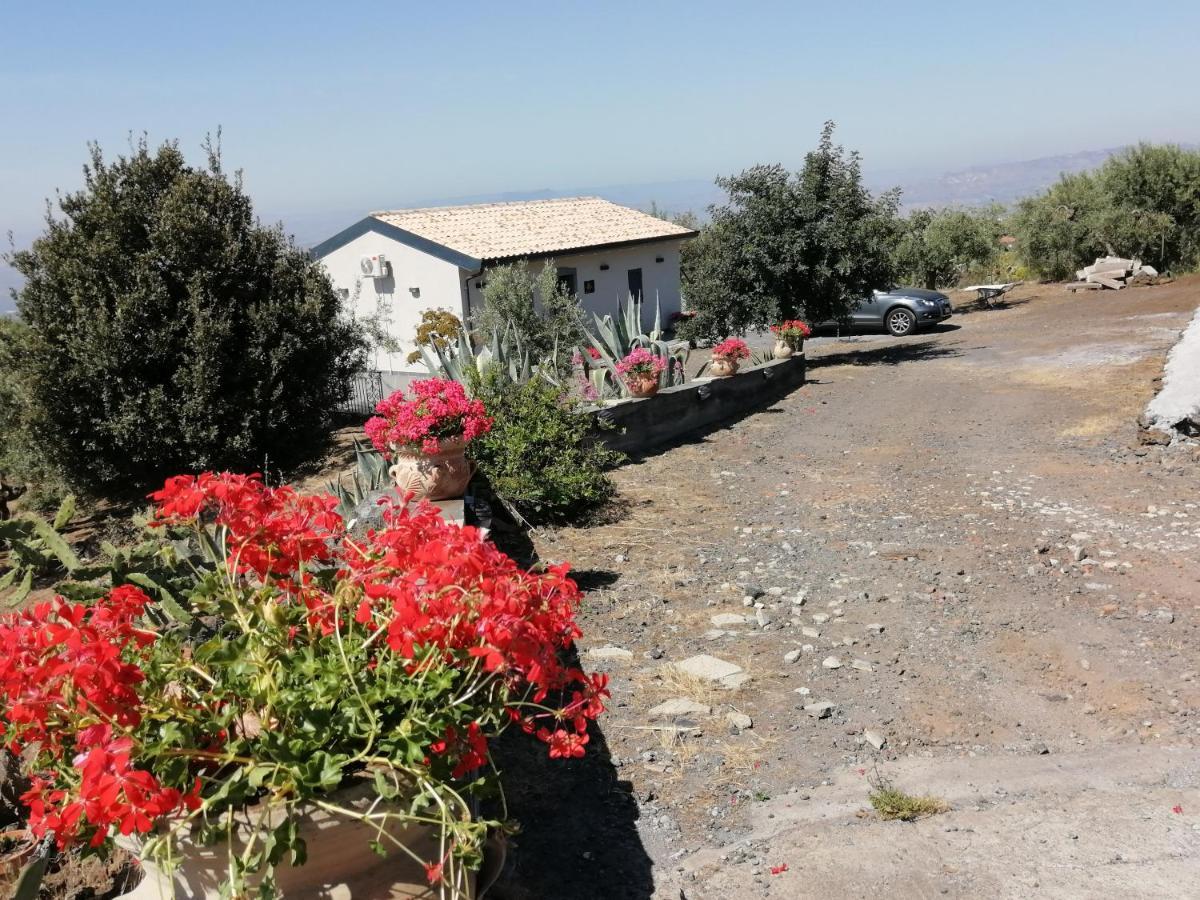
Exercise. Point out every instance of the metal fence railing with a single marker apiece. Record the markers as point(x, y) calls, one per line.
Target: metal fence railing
point(365, 393)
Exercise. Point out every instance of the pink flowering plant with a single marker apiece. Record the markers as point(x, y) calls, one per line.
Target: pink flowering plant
point(641, 364)
point(731, 349)
point(438, 410)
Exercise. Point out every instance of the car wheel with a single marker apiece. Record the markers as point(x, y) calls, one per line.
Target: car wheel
point(901, 321)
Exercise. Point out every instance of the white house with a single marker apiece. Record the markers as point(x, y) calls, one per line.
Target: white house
point(393, 265)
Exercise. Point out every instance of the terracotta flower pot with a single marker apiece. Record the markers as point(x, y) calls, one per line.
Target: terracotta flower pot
point(341, 864)
point(13, 860)
point(432, 476)
point(643, 387)
point(783, 350)
point(723, 367)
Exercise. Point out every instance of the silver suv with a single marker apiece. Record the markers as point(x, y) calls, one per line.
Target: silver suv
point(902, 310)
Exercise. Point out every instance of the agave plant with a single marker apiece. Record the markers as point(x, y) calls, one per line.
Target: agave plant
point(614, 338)
point(35, 547)
point(464, 365)
point(370, 474)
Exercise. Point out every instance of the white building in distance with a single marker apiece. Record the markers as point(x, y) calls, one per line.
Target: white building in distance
point(394, 265)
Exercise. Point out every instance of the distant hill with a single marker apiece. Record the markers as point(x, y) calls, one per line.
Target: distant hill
point(977, 186)
point(1000, 183)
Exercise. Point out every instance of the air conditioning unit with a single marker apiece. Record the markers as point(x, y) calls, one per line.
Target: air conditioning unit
point(374, 266)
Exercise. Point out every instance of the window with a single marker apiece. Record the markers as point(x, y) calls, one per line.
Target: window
point(566, 280)
point(589, 287)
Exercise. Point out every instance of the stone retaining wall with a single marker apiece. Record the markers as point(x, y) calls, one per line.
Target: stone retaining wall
point(643, 424)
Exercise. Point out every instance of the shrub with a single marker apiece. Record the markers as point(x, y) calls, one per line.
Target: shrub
point(937, 247)
point(546, 317)
point(169, 331)
point(540, 457)
point(439, 329)
point(813, 242)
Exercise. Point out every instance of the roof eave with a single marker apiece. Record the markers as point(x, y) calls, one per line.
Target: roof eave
point(378, 226)
point(590, 248)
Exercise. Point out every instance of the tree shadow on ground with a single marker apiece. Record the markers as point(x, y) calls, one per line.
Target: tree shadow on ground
point(578, 836)
point(889, 355)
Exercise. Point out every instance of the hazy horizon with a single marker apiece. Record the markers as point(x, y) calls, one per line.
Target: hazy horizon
point(341, 109)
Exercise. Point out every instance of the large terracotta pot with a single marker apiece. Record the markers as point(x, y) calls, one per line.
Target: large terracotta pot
point(437, 476)
point(24, 846)
point(643, 387)
point(723, 367)
point(783, 350)
point(341, 864)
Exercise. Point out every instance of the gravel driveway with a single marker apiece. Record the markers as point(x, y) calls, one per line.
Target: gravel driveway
point(945, 563)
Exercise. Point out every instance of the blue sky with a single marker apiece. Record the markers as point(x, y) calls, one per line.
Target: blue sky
point(342, 106)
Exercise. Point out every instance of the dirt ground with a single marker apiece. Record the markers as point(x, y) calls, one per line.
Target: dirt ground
point(956, 541)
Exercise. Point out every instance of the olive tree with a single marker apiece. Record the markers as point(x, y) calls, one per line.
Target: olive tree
point(810, 243)
point(937, 247)
point(167, 330)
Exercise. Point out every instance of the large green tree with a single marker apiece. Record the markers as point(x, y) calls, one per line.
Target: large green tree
point(167, 330)
point(810, 243)
point(938, 246)
point(1142, 203)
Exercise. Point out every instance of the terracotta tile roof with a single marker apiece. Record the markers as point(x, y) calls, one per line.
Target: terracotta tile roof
point(490, 231)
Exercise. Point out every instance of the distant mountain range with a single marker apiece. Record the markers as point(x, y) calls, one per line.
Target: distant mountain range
point(976, 186)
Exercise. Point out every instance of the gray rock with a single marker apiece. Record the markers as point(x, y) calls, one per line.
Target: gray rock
point(610, 653)
point(738, 720)
point(792, 655)
point(679, 706)
point(831, 662)
point(734, 681)
point(819, 710)
point(810, 632)
point(862, 665)
point(724, 619)
point(710, 668)
point(875, 739)
point(875, 628)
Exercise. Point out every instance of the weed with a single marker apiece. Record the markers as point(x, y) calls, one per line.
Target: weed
point(892, 803)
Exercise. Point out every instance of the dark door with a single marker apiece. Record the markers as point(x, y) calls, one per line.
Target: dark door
point(566, 281)
point(635, 284)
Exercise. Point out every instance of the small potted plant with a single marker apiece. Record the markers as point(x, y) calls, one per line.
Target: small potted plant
point(425, 436)
point(302, 695)
point(641, 370)
point(726, 356)
point(789, 337)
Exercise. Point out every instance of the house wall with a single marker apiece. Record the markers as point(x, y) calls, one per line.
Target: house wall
point(440, 284)
point(399, 312)
point(659, 279)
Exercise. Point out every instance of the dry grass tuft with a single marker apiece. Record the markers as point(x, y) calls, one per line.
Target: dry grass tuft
point(667, 682)
point(892, 803)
